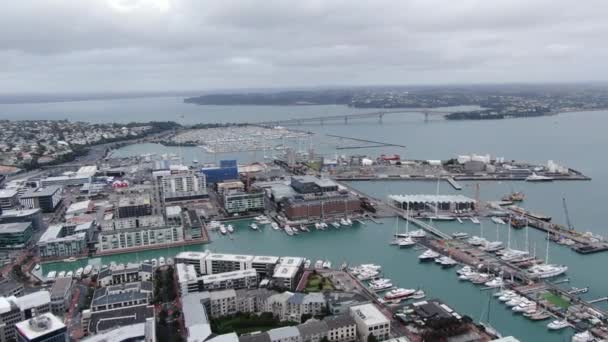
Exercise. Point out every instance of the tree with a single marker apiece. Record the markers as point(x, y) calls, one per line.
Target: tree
point(371, 338)
point(324, 339)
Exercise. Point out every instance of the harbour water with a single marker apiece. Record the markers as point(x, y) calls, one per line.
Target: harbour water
point(576, 140)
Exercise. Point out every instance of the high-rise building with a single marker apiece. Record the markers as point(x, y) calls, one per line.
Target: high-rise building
point(180, 183)
point(16, 309)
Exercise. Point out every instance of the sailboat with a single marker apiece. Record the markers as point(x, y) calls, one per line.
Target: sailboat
point(407, 241)
point(547, 270)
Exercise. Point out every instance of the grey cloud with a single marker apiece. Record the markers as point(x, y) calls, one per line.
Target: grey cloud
point(97, 45)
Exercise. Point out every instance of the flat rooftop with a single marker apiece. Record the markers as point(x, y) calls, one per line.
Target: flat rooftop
point(265, 259)
point(291, 261)
point(369, 314)
point(285, 271)
point(39, 326)
point(8, 193)
point(41, 192)
point(230, 257)
point(229, 275)
point(192, 255)
point(19, 212)
point(431, 198)
point(14, 227)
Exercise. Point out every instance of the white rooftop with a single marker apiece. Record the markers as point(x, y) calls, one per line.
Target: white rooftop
point(285, 271)
point(192, 255)
point(229, 275)
point(230, 337)
point(78, 206)
point(40, 325)
point(431, 198)
point(230, 257)
point(32, 300)
point(369, 314)
point(132, 331)
point(265, 259)
point(173, 210)
point(186, 273)
point(7, 193)
point(292, 261)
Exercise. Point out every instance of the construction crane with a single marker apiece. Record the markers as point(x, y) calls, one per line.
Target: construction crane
point(568, 223)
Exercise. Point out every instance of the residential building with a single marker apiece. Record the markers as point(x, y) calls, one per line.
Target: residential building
point(222, 303)
point(255, 337)
point(312, 330)
point(341, 328)
point(136, 237)
point(287, 277)
point(187, 279)
point(240, 202)
point(220, 263)
point(197, 259)
point(47, 198)
point(318, 207)
point(285, 334)
point(8, 198)
point(340, 302)
point(15, 235)
point(121, 274)
point(180, 183)
point(17, 309)
point(252, 300)
point(370, 320)
point(245, 279)
point(301, 304)
point(34, 216)
point(133, 222)
point(79, 208)
point(55, 242)
point(61, 294)
point(45, 327)
point(134, 205)
point(264, 265)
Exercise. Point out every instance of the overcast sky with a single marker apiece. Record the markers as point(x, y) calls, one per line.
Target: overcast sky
point(158, 45)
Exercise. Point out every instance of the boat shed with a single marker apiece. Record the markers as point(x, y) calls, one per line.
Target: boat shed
point(424, 202)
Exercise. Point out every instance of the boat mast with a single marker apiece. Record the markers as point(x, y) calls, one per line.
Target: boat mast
point(407, 218)
point(509, 238)
point(547, 251)
point(527, 240)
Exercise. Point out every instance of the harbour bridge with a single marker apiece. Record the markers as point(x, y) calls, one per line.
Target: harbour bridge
point(346, 118)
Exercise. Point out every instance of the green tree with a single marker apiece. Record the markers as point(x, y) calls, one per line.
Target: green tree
point(371, 338)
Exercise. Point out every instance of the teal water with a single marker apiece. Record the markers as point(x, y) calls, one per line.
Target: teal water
point(576, 140)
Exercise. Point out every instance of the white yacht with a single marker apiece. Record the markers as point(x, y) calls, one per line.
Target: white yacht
point(460, 235)
point(335, 224)
point(289, 230)
point(61, 274)
point(512, 254)
point(51, 275)
point(326, 264)
point(475, 220)
point(69, 274)
point(494, 283)
point(274, 225)
point(492, 246)
point(161, 261)
point(253, 226)
point(319, 264)
point(79, 272)
point(497, 220)
point(477, 241)
point(87, 270)
point(154, 263)
point(381, 287)
point(446, 262)
point(307, 263)
point(428, 255)
point(230, 228)
point(417, 234)
point(169, 261)
point(405, 242)
point(558, 325)
point(547, 271)
point(317, 226)
point(399, 294)
point(343, 222)
point(223, 229)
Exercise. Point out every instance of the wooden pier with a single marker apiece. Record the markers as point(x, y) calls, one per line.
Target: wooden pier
point(453, 183)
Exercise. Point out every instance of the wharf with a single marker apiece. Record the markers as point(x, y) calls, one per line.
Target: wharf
point(454, 184)
point(455, 176)
point(583, 245)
